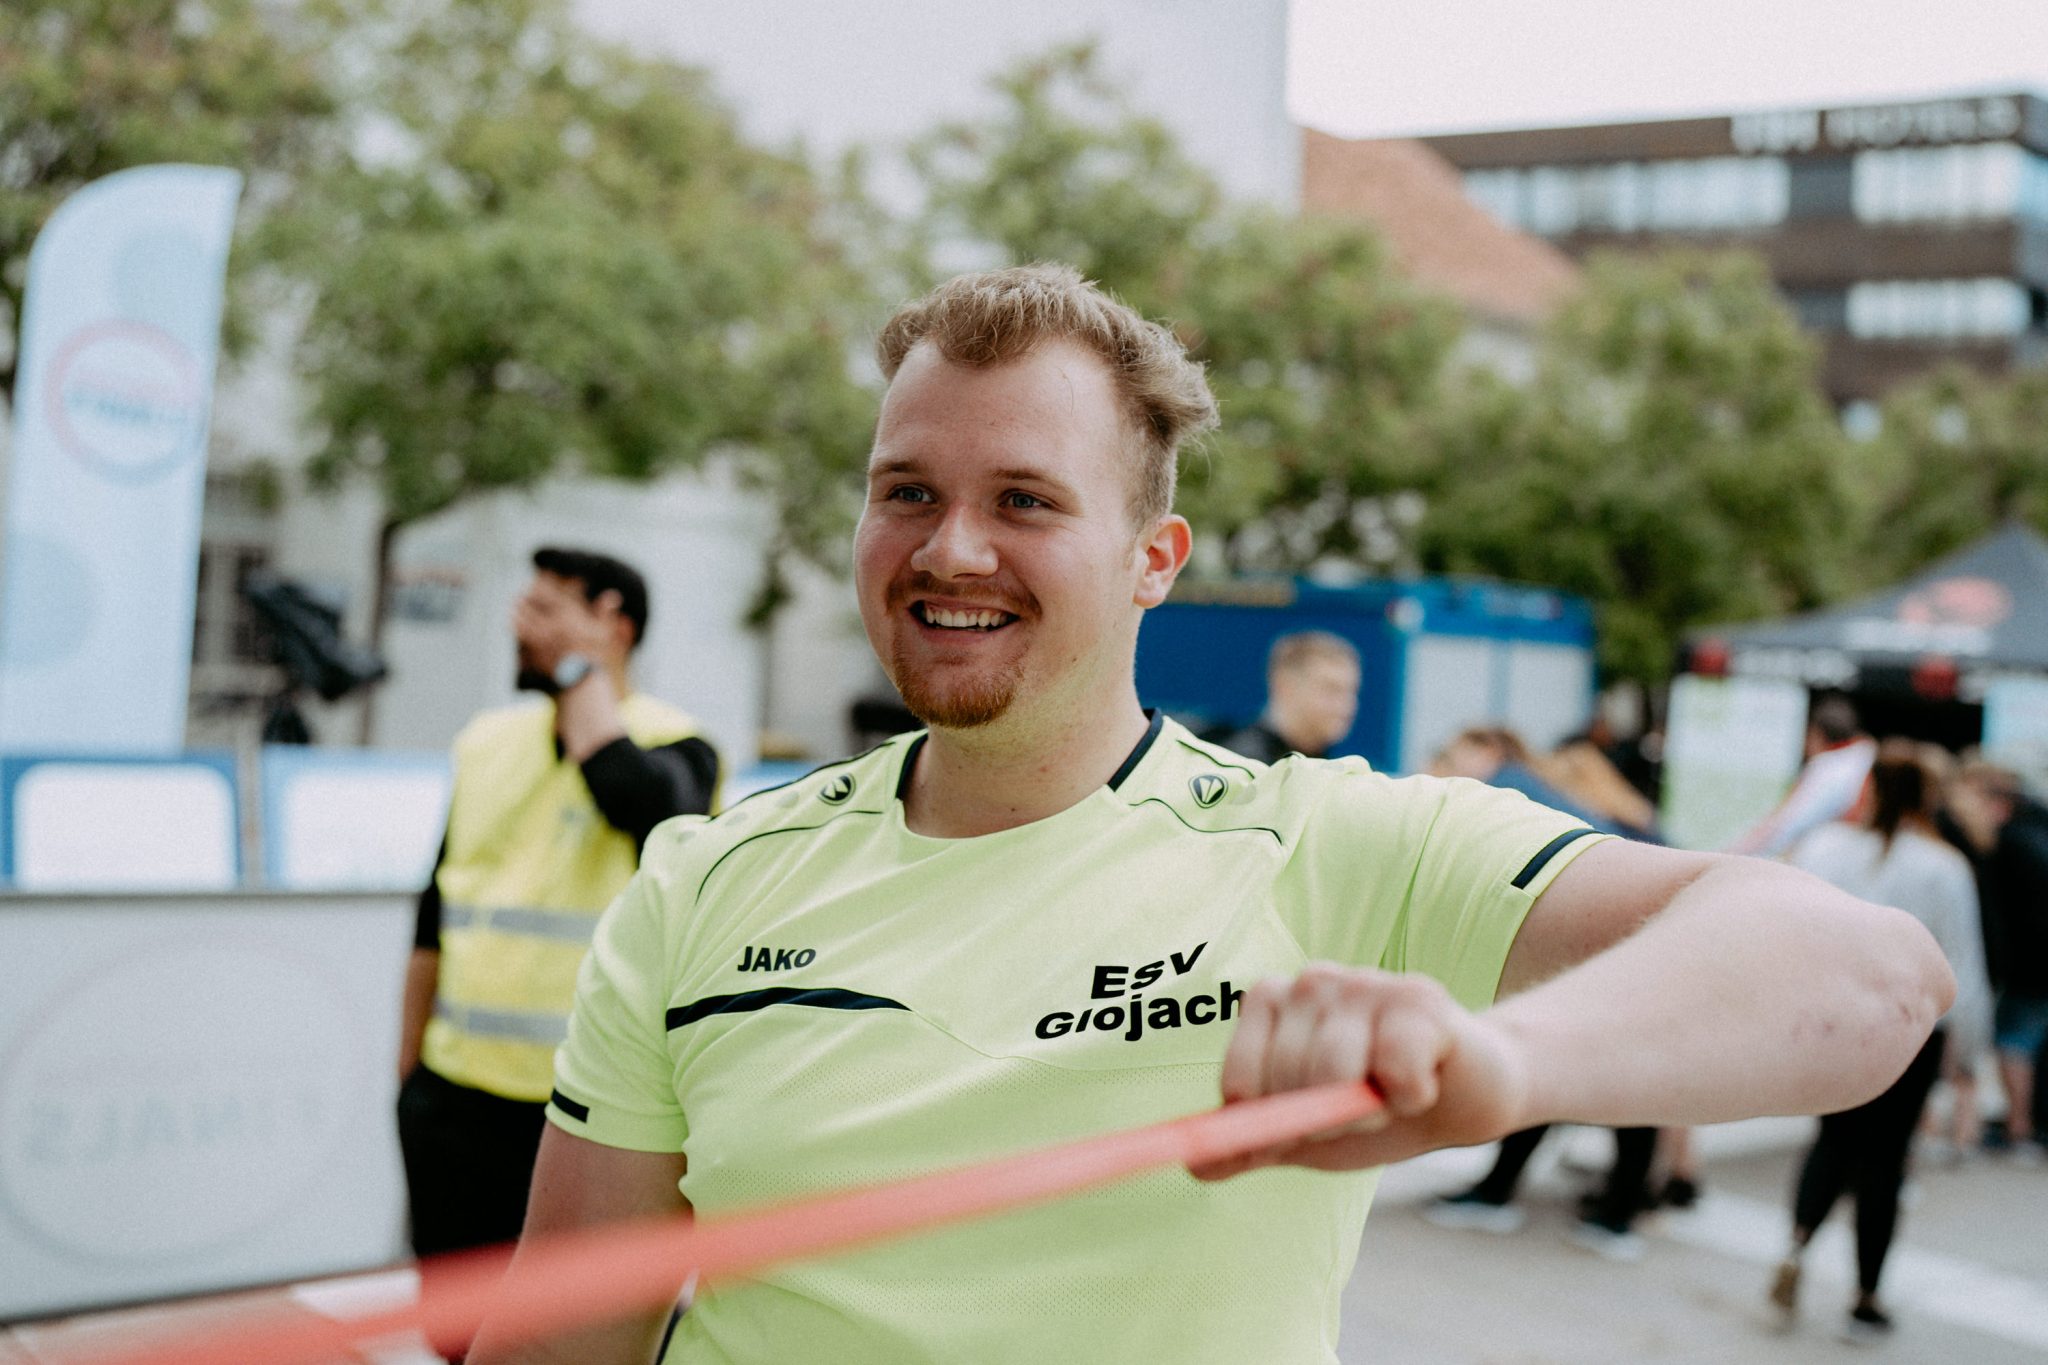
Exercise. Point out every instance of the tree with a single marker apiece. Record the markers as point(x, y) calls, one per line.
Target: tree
point(1674, 460)
point(1327, 365)
point(1958, 454)
point(90, 87)
point(551, 255)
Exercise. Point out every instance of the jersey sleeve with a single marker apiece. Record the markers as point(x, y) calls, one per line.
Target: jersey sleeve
point(614, 1079)
point(1428, 875)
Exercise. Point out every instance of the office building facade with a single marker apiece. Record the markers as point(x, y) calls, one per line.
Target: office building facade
point(1903, 235)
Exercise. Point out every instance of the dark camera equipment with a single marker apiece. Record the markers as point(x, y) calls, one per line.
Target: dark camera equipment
point(304, 628)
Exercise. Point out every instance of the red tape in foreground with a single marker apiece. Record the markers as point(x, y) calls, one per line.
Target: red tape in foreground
point(598, 1274)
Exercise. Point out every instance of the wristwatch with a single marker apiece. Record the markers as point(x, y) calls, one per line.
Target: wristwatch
point(572, 669)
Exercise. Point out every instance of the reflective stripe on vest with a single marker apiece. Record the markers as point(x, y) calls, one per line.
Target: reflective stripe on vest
point(528, 866)
point(511, 1026)
point(567, 926)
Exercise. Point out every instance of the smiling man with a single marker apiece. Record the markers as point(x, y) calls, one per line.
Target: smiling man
point(1051, 914)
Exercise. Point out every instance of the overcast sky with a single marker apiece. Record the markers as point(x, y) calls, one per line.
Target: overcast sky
point(1379, 67)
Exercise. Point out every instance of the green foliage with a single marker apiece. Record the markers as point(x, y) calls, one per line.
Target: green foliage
point(90, 87)
point(1959, 454)
point(564, 258)
point(1325, 362)
point(1674, 461)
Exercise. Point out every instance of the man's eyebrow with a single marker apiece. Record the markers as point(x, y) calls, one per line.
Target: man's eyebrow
point(894, 464)
point(1022, 474)
point(887, 465)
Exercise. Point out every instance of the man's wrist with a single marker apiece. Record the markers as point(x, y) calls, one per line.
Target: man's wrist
point(571, 670)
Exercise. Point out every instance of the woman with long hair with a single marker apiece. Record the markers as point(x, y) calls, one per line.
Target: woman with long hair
point(1895, 857)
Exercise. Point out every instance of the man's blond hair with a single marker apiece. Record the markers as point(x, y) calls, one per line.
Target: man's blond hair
point(998, 316)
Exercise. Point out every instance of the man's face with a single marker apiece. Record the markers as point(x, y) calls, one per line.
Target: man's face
point(1314, 702)
point(996, 562)
point(541, 623)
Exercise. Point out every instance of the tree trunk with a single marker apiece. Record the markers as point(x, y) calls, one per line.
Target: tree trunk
point(380, 610)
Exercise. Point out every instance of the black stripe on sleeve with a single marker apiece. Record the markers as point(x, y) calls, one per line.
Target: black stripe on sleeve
point(828, 998)
point(1545, 854)
point(578, 1112)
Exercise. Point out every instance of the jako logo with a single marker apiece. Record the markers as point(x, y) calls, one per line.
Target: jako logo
point(754, 959)
point(837, 790)
point(1208, 789)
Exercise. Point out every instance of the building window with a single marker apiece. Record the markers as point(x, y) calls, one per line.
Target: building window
point(1710, 194)
point(1940, 309)
point(1820, 310)
point(1951, 184)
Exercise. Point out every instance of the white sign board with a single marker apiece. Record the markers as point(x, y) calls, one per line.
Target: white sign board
point(1732, 748)
point(352, 819)
point(196, 1094)
point(89, 824)
point(2016, 727)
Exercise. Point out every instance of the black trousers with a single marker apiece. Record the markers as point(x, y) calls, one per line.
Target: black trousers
point(1625, 1194)
point(468, 1161)
point(1863, 1150)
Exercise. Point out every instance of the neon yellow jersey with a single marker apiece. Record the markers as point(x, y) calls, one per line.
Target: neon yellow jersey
point(803, 996)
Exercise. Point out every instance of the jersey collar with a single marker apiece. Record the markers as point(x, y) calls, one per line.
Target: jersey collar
point(1129, 765)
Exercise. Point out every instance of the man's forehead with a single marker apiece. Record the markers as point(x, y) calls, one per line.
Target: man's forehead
point(1058, 379)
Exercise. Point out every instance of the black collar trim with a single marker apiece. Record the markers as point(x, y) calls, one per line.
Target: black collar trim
point(1158, 719)
point(909, 766)
point(1137, 755)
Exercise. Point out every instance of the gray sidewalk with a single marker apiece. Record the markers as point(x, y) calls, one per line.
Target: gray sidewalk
point(1967, 1280)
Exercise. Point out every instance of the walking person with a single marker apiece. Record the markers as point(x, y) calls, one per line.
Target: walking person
point(2006, 831)
point(1895, 857)
point(1607, 1215)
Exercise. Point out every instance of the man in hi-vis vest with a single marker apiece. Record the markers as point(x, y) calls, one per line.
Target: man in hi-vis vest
point(551, 805)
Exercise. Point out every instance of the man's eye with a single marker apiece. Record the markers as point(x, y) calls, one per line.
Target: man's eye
point(907, 492)
point(1022, 501)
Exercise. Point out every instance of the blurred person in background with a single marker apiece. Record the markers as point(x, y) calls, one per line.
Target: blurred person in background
point(1580, 766)
point(1312, 681)
point(1497, 755)
point(1894, 857)
point(551, 805)
point(1952, 1125)
point(1832, 784)
point(2006, 832)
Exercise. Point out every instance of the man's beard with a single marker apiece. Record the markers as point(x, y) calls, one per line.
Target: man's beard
point(966, 707)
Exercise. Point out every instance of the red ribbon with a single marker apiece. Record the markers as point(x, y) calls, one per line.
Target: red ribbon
point(596, 1274)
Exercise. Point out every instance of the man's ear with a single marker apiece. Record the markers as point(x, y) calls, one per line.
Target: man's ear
point(1164, 551)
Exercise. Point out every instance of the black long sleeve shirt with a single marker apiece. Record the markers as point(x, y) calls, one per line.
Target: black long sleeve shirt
point(635, 789)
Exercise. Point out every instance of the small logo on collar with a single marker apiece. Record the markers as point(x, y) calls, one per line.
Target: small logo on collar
point(838, 790)
point(1208, 789)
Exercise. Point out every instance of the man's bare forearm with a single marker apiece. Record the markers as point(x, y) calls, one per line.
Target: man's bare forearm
point(1757, 990)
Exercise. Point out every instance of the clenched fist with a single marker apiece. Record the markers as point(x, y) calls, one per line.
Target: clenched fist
point(1449, 1077)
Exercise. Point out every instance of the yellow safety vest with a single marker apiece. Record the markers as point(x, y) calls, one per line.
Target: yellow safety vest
point(530, 863)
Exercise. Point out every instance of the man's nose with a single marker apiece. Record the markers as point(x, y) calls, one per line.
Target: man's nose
point(958, 547)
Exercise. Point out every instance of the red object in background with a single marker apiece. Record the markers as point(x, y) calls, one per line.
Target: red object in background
point(1710, 658)
point(1935, 677)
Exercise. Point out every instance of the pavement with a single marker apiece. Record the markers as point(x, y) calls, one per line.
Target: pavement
point(1967, 1280)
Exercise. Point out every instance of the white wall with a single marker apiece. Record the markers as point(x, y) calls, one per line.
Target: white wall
point(836, 74)
point(696, 539)
point(821, 663)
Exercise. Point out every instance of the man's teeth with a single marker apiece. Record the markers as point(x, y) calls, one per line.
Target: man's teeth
point(964, 620)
